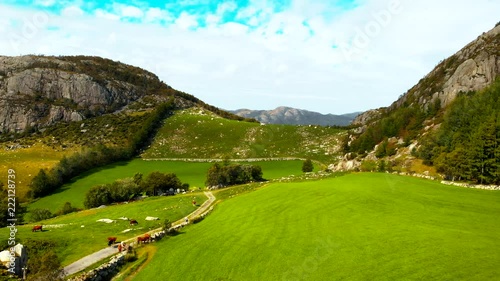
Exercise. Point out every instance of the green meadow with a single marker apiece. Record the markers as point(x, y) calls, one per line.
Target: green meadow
point(367, 226)
point(197, 133)
point(193, 173)
point(80, 234)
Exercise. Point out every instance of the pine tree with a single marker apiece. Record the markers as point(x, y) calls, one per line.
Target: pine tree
point(307, 166)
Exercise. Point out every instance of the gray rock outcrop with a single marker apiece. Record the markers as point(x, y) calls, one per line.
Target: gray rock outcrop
point(472, 68)
point(40, 91)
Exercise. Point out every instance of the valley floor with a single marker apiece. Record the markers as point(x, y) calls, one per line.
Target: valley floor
point(366, 226)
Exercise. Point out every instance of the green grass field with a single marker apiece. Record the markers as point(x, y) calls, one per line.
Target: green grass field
point(354, 227)
point(197, 133)
point(191, 172)
point(28, 161)
point(79, 234)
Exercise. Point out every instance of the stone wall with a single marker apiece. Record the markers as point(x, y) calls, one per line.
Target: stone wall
point(104, 271)
point(478, 186)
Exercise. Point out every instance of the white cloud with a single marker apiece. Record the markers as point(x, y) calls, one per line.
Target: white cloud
point(100, 13)
point(72, 11)
point(130, 11)
point(226, 7)
point(157, 15)
point(45, 3)
point(232, 66)
point(186, 21)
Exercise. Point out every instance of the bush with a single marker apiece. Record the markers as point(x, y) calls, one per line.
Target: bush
point(158, 182)
point(40, 214)
point(167, 225)
point(368, 166)
point(131, 255)
point(66, 209)
point(197, 219)
point(43, 263)
point(233, 174)
point(307, 166)
point(97, 196)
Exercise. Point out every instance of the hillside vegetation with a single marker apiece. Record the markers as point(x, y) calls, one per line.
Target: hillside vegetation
point(356, 227)
point(467, 144)
point(197, 133)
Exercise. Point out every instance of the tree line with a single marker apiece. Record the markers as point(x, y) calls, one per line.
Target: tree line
point(232, 174)
point(47, 181)
point(126, 189)
point(467, 144)
point(404, 122)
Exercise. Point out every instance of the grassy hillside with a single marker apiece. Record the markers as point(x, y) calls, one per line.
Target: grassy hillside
point(79, 234)
point(188, 172)
point(197, 133)
point(29, 153)
point(28, 161)
point(356, 227)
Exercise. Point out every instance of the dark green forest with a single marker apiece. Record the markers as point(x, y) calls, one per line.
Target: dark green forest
point(404, 122)
point(467, 144)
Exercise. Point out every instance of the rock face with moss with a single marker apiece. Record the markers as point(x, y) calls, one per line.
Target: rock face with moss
point(473, 68)
point(413, 119)
point(39, 91)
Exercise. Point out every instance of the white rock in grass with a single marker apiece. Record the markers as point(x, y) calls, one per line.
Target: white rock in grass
point(152, 218)
point(105, 220)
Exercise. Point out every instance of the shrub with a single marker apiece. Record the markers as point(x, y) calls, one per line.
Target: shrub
point(43, 263)
point(368, 166)
point(197, 219)
point(167, 225)
point(233, 174)
point(40, 214)
point(307, 166)
point(131, 255)
point(97, 196)
point(66, 209)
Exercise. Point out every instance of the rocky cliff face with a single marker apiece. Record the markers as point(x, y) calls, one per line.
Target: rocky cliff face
point(40, 91)
point(472, 68)
point(420, 110)
point(294, 116)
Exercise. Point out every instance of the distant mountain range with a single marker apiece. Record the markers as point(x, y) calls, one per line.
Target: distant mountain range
point(294, 116)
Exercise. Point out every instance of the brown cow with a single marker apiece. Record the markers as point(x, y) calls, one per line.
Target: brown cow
point(133, 222)
point(36, 228)
point(111, 240)
point(145, 238)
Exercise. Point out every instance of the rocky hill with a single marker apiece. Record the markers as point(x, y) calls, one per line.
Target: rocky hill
point(395, 133)
point(294, 116)
point(472, 68)
point(38, 91)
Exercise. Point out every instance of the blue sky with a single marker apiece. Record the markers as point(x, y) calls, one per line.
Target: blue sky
point(327, 56)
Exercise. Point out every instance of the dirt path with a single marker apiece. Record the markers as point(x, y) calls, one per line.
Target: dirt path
point(85, 262)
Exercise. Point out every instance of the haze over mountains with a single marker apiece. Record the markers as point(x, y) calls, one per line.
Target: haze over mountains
point(294, 116)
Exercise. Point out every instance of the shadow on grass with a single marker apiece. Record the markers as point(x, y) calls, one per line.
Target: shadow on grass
point(66, 186)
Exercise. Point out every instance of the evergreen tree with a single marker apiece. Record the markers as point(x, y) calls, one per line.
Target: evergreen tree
point(307, 166)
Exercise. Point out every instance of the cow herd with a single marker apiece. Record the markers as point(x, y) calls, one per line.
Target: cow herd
point(146, 238)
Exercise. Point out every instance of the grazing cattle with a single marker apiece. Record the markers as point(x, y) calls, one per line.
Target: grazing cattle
point(133, 222)
point(111, 240)
point(145, 238)
point(36, 228)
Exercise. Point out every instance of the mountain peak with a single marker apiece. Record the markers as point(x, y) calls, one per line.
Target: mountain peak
point(294, 116)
